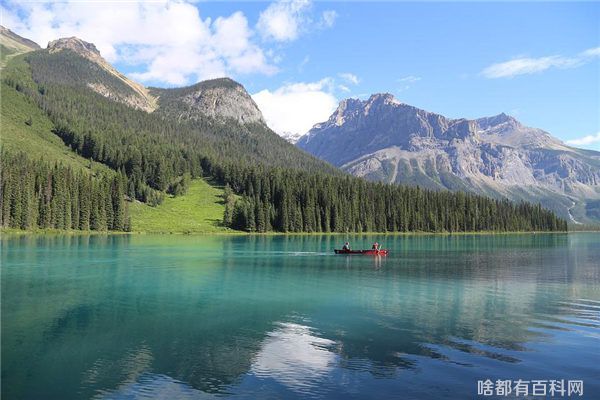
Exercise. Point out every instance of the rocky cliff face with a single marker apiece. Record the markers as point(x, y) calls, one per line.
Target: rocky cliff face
point(384, 139)
point(77, 45)
point(216, 98)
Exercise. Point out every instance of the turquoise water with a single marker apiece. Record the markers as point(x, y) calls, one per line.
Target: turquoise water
point(194, 317)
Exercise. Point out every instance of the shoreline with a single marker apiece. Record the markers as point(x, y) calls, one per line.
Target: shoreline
point(56, 232)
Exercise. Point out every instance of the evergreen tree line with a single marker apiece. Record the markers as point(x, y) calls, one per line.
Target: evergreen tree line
point(37, 195)
point(281, 188)
point(292, 201)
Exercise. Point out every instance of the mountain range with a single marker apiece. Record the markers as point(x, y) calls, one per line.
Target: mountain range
point(383, 139)
point(220, 112)
point(65, 105)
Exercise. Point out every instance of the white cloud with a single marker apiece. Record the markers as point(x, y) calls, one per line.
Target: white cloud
point(286, 20)
point(585, 140)
point(293, 109)
point(594, 52)
point(351, 78)
point(409, 79)
point(283, 20)
point(527, 65)
point(166, 41)
point(521, 66)
point(233, 38)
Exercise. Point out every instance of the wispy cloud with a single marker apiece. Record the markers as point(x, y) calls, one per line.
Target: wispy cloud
point(305, 61)
point(529, 65)
point(350, 78)
point(328, 19)
point(585, 140)
point(409, 79)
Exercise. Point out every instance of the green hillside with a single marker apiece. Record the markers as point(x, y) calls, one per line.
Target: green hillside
point(200, 210)
point(25, 128)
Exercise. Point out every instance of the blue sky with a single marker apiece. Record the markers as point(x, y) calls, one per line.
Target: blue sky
point(539, 62)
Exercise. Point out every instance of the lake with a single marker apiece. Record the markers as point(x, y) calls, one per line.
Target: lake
point(196, 317)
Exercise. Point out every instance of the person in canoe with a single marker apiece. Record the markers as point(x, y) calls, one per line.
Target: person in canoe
point(346, 246)
point(375, 246)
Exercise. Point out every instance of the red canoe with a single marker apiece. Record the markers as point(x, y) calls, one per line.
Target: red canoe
point(363, 252)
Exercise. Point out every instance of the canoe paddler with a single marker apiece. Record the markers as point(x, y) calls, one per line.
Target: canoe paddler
point(375, 246)
point(346, 246)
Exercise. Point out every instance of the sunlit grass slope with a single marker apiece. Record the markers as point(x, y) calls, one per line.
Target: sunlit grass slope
point(200, 210)
point(25, 128)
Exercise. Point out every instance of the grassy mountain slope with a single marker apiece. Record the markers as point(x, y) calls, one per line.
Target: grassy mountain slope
point(200, 210)
point(25, 128)
point(12, 45)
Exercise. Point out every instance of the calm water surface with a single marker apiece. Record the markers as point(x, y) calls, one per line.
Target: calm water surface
point(183, 317)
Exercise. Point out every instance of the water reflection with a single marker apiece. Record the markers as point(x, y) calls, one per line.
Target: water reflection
point(154, 386)
point(295, 357)
point(192, 317)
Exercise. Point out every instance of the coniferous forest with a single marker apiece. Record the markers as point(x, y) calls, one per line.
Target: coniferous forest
point(271, 185)
point(288, 201)
point(35, 194)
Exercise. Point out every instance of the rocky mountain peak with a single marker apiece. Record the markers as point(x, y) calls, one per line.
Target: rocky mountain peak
point(380, 101)
point(224, 97)
point(216, 98)
point(346, 108)
point(350, 108)
point(81, 47)
point(496, 120)
point(383, 98)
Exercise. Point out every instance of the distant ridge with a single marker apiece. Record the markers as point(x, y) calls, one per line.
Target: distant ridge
point(12, 44)
point(386, 140)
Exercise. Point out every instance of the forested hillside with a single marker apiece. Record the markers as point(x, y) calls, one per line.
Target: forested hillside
point(153, 154)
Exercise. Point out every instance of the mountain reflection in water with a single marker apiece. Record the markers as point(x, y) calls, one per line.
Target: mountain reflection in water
point(123, 317)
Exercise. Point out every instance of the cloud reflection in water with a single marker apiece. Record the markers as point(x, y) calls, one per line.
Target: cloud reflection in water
point(295, 357)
